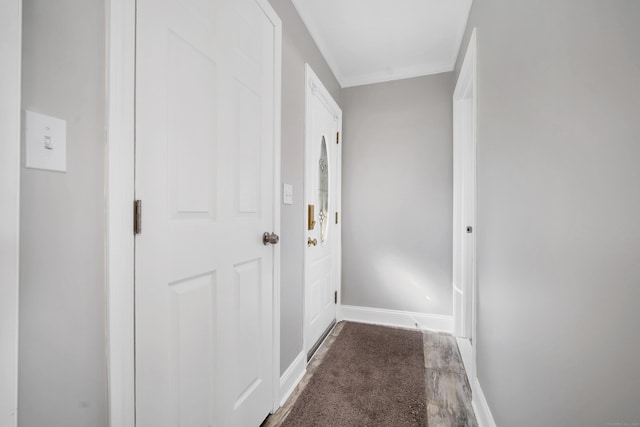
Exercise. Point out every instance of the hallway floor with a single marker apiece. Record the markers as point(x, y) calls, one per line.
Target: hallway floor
point(446, 389)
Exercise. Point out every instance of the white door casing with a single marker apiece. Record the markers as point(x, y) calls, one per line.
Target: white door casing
point(465, 202)
point(323, 122)
point(119, 225)
point(207, 172)
point(10, 69)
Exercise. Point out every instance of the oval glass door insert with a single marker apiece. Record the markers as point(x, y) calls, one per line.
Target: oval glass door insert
point(323, 191)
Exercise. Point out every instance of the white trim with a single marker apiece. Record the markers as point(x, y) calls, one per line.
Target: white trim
point(318, 90)
point(277, 109)
point(292, 377)
point(338, 259)
point(484, 417)
point(468, 70)
point(464, 300)
point(10, 76)
point(400, 319)
point(478, 401)
point(458, 45)
point(119, 179)
point(395, 74)
point(314, 88)
point(466, 352)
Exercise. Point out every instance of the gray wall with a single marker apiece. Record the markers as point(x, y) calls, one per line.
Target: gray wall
point(62, 371)
point(298, 48)
point(397, 180)
point(558, 209)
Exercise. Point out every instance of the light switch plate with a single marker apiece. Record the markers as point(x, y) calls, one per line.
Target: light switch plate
point(287, 194)
point(45, 142)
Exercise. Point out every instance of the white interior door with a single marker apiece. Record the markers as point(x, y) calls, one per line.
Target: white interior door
point(205, 126)
point(322, 192)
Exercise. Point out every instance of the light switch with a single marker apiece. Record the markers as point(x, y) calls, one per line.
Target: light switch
point(287, 194)
point(45, 142)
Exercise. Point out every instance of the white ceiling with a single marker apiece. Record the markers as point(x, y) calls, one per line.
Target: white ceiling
point(371, 41)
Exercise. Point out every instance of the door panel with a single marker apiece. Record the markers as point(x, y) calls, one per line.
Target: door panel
point(191, 134)
point(248, 150)
point(192, 304)
point(247, 328)
point(205, 75)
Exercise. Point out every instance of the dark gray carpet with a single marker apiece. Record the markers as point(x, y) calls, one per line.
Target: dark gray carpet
point(371, 376)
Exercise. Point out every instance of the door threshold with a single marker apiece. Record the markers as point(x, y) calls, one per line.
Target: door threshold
point(318, 343)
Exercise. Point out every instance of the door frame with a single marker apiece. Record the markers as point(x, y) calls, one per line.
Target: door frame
point(120, 193)
point(465, 300)
point(315, 88)
point(10, 107)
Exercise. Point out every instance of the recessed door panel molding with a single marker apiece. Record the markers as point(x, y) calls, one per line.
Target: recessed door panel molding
point(246, 325)
point(322, 199)
point(206, 172)
point(191, 132)
point(192, 306)
point(248, 150)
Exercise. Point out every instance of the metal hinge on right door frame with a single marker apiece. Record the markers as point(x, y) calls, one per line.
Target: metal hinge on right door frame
point(137, 217)
point(335, 297)
point(337, 137)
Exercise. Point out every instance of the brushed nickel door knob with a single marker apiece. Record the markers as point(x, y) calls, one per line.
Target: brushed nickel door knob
point(270, 238)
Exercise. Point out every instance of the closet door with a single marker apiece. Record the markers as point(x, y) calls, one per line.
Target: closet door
point(205, 126)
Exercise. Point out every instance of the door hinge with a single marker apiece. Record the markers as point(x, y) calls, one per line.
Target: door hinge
point(335, 297)
point(336, 217)
point(337, 137)
point(137, 217)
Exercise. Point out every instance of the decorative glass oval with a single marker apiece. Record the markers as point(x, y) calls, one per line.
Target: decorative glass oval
point(323, 191)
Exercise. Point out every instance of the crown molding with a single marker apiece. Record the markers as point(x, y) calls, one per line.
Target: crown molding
point(396, 74)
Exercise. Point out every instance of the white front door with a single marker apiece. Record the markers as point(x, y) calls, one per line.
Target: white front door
point(322, 194)
point(205, 126)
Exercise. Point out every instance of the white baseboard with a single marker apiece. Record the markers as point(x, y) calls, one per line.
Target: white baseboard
point(480, 406)
point(292, 376)
point(400, 319)
point(466, 351)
